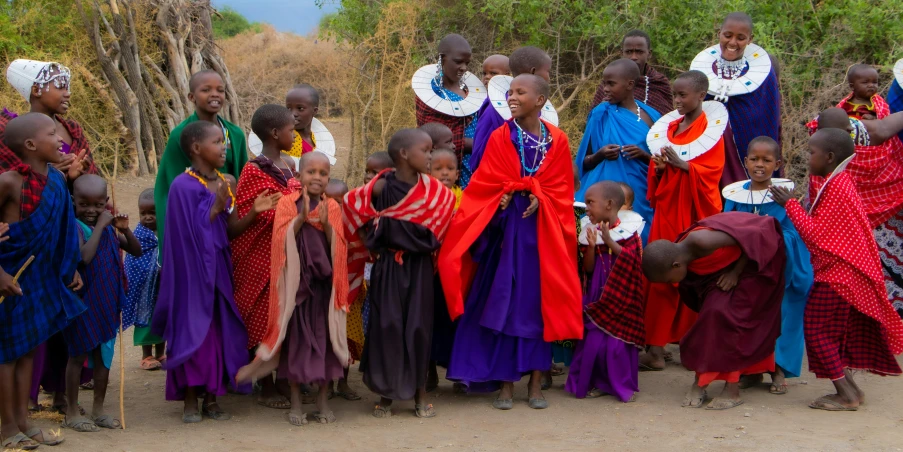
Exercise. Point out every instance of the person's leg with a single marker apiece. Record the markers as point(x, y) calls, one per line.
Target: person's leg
point(269, 394)
point(848, 374)
point(825, 322)
point(296, 415)
point(344, 389)
point(653, 359)
point(432, 377)
point(324, 415)
point(696, 396)
point(191, 402)
point(534, 388)
point(73, 380)
point(778, 381)
point(147, 351)
point(421, 408)
point(160, 351)
point(384, 409)
point(22, 379)
point(9, 425)
point(101, 380)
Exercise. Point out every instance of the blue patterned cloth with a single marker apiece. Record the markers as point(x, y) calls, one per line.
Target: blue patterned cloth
point(895, 100)
point(47, 305)
point(470, 131)
point(142, 274)
point(103, 294)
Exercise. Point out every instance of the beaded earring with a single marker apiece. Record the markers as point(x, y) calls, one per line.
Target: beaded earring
point(439, 73)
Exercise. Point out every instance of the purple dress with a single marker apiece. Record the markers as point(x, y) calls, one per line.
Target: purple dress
point(600, 360)
point(307, 355)
point(195, 312)
point(500, 335)
point(490, 120)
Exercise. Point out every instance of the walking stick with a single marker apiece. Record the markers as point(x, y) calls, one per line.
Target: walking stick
point(19, 273)
point(121, 340)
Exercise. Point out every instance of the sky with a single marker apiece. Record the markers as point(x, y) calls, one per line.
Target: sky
point(296, 16)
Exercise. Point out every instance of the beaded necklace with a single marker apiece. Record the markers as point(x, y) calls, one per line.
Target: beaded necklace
point(203, 180)
point(542, 144)
point(729, 71)
point(751, 198)
point(286, 172)
point(646, 97)
point(444, 92)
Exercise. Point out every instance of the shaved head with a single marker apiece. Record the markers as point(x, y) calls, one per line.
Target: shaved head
point(308, 157)
point(147, 195)
point(624, 68)
point(538, 83)
point(198, 77)
point(858, 70)
point(24, 128)
point(740, 17)
point(524, 59)
point(501, 61)
point(658, 257)
point(836, 141)
point(608, 190)
point(765, 140)
point(454, 43)
point(698, 80)
point(406, 139)
point(834, 118)
point(89, 185)
point(307, 91)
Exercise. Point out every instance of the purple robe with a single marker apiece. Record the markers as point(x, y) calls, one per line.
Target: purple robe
point(49, 371)
point(307, 355)
point(196, 313)
point(500, 335)
point(490, 119)
point(602, 361)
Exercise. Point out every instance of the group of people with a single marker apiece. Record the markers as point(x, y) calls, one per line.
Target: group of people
point(670, 226)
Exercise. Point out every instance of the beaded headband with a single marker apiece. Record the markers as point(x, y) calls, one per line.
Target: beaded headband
point(23, 74)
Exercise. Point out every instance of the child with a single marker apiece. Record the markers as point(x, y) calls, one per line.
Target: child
point(652, 88)
point(265, 174)
point(452, 96)
point(614, 143)
point(207, 92)
point(848, 322)
point(143, 275)
point(752, 98)
point(730, 268)
point(440, 134)
point(494, 65)
point(763, 158)
point(524, 60)
point(336, 190)
point(46, 305)
point(605, 361)
point(441, 168)
point(863, 81)
point(628, 196)
point(683, 189)
point(196, 313)
point(377, 162)
point(304, 102)
point(414, 211)
point(516, 212)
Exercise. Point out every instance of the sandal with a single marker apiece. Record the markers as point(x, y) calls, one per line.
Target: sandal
point(503, 404)
point(89, 386)
point(61, 409)
point(81, 424)
point(595, 393)
point(350, 395)
point(191, 418)
point(107, 421)
point(382, 411)
point(296, 419)
point(150, 363)
point(719, 403)
point(213, 411)
point(557, 371)
point(20, 442)
point(538, 403)
point(780, 389)
point(277, 403)
point(828, 404)
point(688, 402)
point(55, 439)
point(324, 418)
point(424, 411)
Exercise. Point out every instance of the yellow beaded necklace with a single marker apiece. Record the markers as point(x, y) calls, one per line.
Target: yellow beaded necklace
point(298, 145)
point(193, 173)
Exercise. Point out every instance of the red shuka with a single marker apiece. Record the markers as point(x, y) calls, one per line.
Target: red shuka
point(553, 186)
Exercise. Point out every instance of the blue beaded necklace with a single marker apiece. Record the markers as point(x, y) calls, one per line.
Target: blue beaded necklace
point(542, 145)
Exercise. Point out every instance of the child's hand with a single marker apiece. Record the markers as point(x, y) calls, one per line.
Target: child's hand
point(8, 287)
point(605, 230)
point(671, 158)
point(121, 222)
point(503, 204)
point(324, 215)
point(634, 152)
point(76, 283)
point(659, 162)
point(728, 281)
point(305, 206)
point(222, 193)
point(104, 220)
point(4, 228)
point(266, 201)
point(65, 163)
point(590, 230)
point(780, 195)
point(610, 152)
point(79, 164)
point(531, 209)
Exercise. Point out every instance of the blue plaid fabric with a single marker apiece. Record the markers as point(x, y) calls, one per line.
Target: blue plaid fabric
point(103, 294)
point(143, 275)
point(755, 114)
point(47, 305)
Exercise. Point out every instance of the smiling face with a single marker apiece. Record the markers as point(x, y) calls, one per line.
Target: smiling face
point(455, 63)
point(303, 107)
point(686, 98)
point(47, 142)
point(524, 99)
point(733, 38)
point(444, 166)
point(636, 49)
point(147, 212)
point(314, 173)
point(209, 93)
point(864, 83)
point(54, 99)
point(761, 163)
point(616, 86)
point(90, 200)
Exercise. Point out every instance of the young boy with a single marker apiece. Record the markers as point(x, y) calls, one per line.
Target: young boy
point(143, 275)
point(265, 174)
point(376, 163)
point(730, 269)
point(683, 189)
point(440, 134)
point(311, 293)
point(494, 65)
point(524, 60)
point(848, 321)
point(414, 211)
point(752, 98)
point(196, 314)
point(614, 143)
point(517, 211)
point(652, 87)
point(605, 361)
point(441, 168)
point(336, 190)
point(207, 93)
point(628, 196)
point(41, 303)
point(763, 158)
point(863, 81)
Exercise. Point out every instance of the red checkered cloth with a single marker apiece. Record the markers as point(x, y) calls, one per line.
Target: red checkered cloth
point(877, 172)
point(660, 97)
point(33, 183)
point(429, 204)
point(844, 254)
point(620, 310)
point(457, 124)
point(839, 336)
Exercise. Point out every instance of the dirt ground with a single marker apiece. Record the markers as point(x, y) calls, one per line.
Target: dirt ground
point(468, 422)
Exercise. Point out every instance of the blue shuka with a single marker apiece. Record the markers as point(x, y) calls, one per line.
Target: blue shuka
point(47, 305)
point(611, 124)
point(895, 100)
point(143, 275)
point(798, 276)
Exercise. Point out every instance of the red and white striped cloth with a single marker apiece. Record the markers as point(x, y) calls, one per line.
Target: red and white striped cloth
point(429, 204)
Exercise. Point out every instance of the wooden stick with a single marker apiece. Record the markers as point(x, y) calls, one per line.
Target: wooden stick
point(19, 273)
point(121, 339)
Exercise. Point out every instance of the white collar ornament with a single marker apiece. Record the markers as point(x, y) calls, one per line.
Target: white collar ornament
point(631, 223)
point(498, 98)
point(898, 72)
point(729, 78)
point(422, 83)
point(737, 192)
point(324, 139)
point(716, 117)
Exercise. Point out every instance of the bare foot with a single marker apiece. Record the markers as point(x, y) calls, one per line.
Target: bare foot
point(653, 359)
point(778, 382)
point(849, 376)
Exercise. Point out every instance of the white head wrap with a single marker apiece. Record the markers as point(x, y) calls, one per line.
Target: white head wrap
point(23, 74)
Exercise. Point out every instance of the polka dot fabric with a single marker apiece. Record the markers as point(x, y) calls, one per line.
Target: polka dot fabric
point(844, 253)
point(251, 251)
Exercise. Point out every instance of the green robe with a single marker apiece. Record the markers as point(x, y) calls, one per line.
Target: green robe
point(175, 162)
